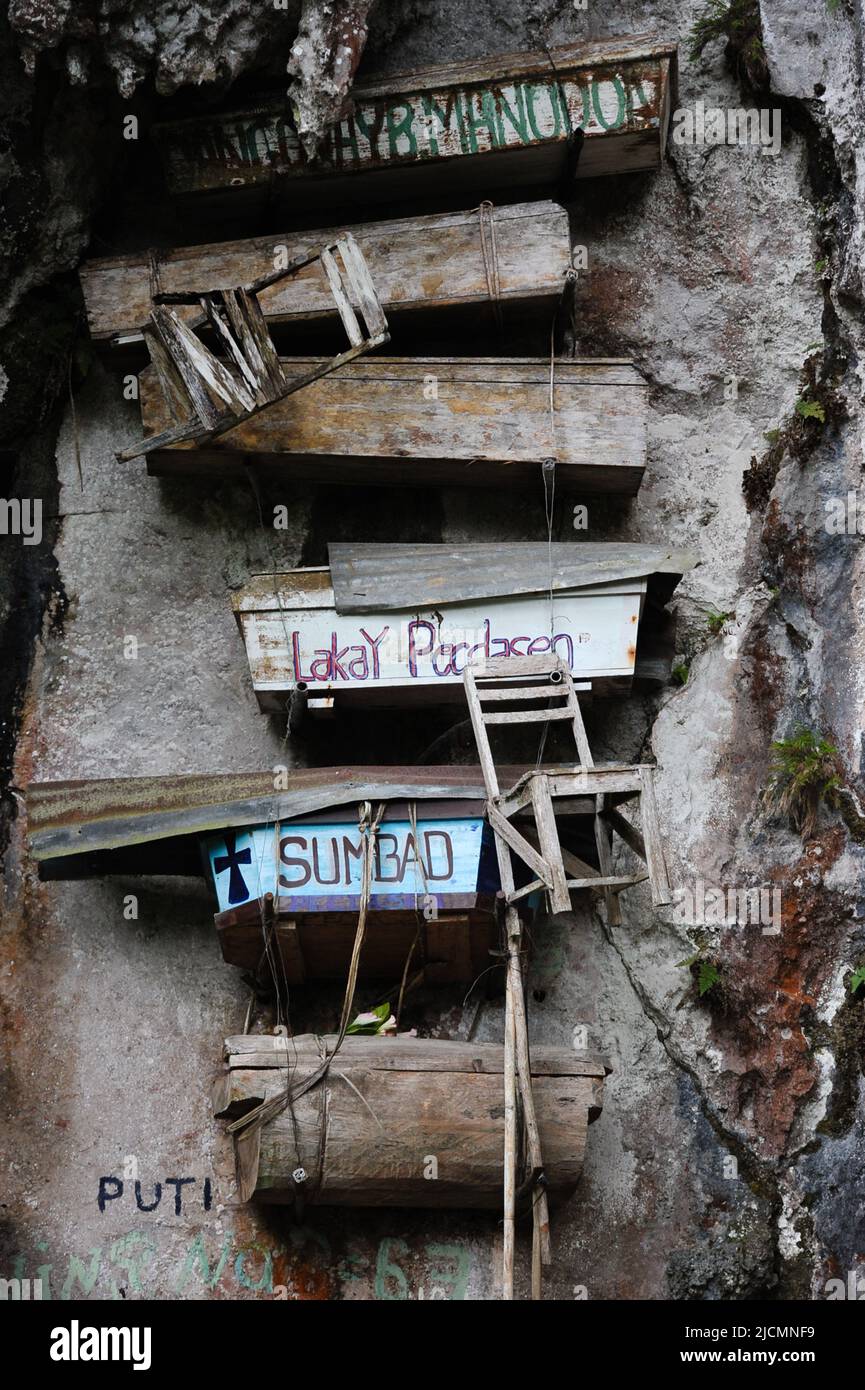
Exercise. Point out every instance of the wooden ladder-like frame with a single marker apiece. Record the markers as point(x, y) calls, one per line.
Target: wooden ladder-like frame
point(543, 690)
point(209, 395)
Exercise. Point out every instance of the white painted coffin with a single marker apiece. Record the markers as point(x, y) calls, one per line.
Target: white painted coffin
point(295, 638)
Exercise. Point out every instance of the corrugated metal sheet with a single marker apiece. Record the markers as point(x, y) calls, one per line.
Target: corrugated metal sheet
point(77, 818)
point(373, 578)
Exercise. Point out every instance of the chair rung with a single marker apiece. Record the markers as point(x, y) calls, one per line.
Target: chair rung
point(617, 882)
point(527, 716)
point(526, 889)
point(522, 692)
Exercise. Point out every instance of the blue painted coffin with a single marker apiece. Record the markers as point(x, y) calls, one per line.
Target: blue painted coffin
point(316, 868)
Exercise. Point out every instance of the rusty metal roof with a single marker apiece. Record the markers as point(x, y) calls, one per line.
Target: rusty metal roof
point(88, 817)
point(377, 578)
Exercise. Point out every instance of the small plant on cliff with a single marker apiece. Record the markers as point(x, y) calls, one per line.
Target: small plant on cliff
point(704, 971)
point(804, 773)
point(857, 979)
point(819, 408)
point(737, 21)
point(715, 620)
point(680, 673)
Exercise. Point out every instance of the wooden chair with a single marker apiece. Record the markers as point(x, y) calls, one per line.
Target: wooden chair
point(209, 395)
point(542, 691)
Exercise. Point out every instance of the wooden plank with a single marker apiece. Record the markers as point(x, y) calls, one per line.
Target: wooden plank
point(416, 263)
point(528, 716)
point(509, 1156)
point(548, 835)
point(377, 421)
point(318, 946)
point(360, 281)
point(661, 891)
point(380, 1126)
point(518, 843)
point(390, 1103)
point(371, 578)
point(629, 833)
point(390, 1054)
point(501, 120)
point(344, 309)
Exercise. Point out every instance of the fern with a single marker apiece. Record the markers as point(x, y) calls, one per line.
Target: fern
point(805, 773)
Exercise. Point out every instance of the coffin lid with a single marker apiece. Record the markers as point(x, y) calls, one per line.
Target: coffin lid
point(377, 578)
point(252, 1051)
point(71, 820)
point(496, 67)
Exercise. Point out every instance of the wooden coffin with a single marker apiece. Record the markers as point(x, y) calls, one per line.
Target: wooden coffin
point(516, 119)
point(433, 262)
point(434, 420)
point(302, 888)
point(365, 1136)
point(295, 637)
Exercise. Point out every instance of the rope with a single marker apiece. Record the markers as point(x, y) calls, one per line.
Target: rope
point(490, 253)
point(268, 1110)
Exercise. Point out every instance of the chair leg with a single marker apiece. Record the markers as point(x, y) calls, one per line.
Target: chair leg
point(551, 850)
point(604, 842)
point(660, 883)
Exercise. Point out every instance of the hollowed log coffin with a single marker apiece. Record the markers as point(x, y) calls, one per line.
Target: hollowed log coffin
point(400, 1122)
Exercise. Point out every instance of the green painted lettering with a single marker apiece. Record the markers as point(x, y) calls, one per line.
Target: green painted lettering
point(480, 113)
point(76, 1273)
point(459, 1277)
point(386, 1270)
point(538, 133)
point(397, 128)
point(197, 1254)
point(619, 89)
point(265, 1283)
point(518, 118)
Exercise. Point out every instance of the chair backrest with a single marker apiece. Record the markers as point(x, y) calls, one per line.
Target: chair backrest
point(542, 689)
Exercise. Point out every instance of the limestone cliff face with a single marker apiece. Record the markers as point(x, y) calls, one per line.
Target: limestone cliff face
point(730, 1158)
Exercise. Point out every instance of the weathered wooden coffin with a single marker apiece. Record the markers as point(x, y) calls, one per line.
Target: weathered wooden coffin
point(510, 120)
point(434, 420)
point(300, 883)
point(392, 625)
point(364, 1136)
point(433, 262)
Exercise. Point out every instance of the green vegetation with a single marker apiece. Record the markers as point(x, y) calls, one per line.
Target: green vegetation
point(811, 410)
point(804, 774)
point(737, 21)
point(706, 973)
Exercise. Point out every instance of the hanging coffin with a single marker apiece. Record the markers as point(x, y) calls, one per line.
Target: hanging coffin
point(206, 395)
point(432, 420)
point(512, 257)
point(363, 1135)
point(285, 865)
point(517, 119)
point(293, 888)
point(392, 625)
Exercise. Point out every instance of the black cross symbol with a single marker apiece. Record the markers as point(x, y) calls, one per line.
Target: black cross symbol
point(232, 859)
